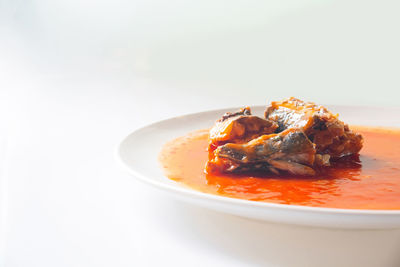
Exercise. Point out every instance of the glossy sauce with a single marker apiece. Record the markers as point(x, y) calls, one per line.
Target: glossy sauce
point(370, 181)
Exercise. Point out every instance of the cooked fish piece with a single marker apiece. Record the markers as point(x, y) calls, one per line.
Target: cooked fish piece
point(330, 135)
point(287, 152)
point(348, 144)
point(239, 127)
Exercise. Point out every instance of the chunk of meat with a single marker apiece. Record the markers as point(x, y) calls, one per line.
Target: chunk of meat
point(349, 143)
point(295, 137)
point(330, 135)
point(239, 127)
point(289, 151)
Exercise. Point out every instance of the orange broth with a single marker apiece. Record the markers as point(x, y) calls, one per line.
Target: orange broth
point(368, 181)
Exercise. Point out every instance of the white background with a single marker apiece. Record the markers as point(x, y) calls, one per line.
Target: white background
point(77, 76)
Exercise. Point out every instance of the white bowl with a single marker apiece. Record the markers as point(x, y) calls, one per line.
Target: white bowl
point(138, 154)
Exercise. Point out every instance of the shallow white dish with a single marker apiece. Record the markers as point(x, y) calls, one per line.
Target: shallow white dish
point(138, 154)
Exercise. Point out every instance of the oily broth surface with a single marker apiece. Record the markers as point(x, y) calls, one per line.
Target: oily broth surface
point(370, 181)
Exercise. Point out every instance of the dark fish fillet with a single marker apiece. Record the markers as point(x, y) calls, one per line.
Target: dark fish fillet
point(330, 135)
point(239, 127)
point(289, 151)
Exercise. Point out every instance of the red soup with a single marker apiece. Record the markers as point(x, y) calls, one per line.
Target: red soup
point(368, 181)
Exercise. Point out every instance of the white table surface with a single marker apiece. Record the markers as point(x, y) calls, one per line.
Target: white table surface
point(64, 201)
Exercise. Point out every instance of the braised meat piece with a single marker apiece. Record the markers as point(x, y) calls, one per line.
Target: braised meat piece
point(295, 137)
point(239, 127)
point(287, 152)
point(330, 135)
point(348, 144)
